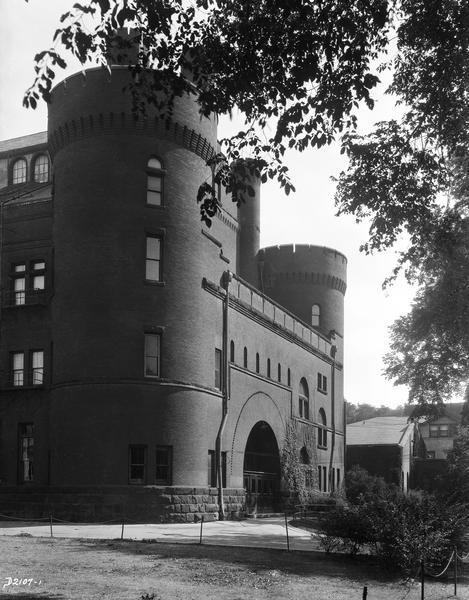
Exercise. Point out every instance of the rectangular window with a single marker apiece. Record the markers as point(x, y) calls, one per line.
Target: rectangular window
point(19, 286)
point(154, 190)
point(25, 281)
point(439, 431)
point(26, 452)
point(338, 478)
point(322, 382)
point(218, 369)
point(320, 478)
point(152, 354)
point(153, 259)
point(137, 464)
point(324, 478)
point(37, 367)
point(163, 465)
point(212, 469)
point(17, 368)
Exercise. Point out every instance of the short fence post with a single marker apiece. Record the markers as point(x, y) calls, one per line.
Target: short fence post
point(422, 580)
point(201, 528)
point(122, 530)
point(365, 593)
point(286, 530)
point(455, 558)
point(50, 523)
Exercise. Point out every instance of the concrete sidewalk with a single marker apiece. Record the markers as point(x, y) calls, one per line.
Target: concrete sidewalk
point(258, 533)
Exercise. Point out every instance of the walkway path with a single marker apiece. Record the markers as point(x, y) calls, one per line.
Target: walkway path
point(259, 533)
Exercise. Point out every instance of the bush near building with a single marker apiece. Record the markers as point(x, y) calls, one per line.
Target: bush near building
point(401, 529)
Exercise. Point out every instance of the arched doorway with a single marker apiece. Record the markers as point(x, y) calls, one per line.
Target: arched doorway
point(262, 469)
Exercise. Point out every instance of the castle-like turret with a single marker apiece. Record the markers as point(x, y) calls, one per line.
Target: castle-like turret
point(308, 280)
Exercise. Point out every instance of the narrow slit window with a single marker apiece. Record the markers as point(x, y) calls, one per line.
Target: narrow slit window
point(17, 369)
point(315, 315)
point(163, 465)
point(152, 354)
point(153, 259)
point(26, 452)
point(37, 367)
point(154, 182)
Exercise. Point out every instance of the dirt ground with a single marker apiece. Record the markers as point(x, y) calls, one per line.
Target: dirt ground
point(59, 569)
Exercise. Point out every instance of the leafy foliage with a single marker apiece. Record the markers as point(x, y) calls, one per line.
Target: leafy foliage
point(363, 411)
point(411, 177)
point(361, 486)
point(296, 70)
point(401, 529)
point(298, 442)
point(457, 479)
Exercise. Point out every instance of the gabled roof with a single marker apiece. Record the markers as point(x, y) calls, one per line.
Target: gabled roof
point(378, 431)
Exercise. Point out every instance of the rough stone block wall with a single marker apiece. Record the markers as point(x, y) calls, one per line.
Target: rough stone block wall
point(131, 504)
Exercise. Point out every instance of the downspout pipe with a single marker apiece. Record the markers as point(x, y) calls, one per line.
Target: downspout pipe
point(331, 459)
point(227, 276)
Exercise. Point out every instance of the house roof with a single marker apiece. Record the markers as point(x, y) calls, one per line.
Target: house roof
point(378, 431)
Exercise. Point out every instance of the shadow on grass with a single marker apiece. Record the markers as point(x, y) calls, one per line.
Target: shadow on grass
point(362, 569)
point(31, 596)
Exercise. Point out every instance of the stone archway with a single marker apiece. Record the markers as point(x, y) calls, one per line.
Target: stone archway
point(261, 469)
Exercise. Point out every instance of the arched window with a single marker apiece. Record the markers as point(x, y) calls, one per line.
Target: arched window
point(322, 431)
point(155, 175)
point(19, 171)
point(245, 358)
point(257, 362)
point(232, 352)
point(41, 169)
point(288, 377)
point(303, 399)
point(315, 315)
point(279, 372)
point(268, 367)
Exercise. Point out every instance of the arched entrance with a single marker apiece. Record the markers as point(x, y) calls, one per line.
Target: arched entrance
point(262, 469)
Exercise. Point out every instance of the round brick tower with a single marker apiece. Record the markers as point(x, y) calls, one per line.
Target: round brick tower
point(105, 306)
point(301, 276)
point(249, 216)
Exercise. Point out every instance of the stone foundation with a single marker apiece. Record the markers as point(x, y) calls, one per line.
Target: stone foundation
point(149, 504)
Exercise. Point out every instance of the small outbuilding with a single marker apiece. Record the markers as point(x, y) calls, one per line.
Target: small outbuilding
point(385, 447)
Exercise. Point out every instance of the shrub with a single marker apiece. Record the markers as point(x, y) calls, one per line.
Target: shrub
point(360, 485)
point(345, 528)
point(401, 529)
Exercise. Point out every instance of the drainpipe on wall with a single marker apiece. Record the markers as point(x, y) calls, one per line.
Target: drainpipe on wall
point(331, 459)
point(227, 276)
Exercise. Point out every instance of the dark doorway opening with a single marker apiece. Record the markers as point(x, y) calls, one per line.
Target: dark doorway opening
point(262, 470)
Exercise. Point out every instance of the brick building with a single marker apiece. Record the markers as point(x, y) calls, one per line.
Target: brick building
point(124, 361)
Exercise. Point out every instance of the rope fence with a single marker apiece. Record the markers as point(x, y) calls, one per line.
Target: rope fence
point(423, 571)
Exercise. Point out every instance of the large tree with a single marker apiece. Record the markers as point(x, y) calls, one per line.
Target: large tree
point(298, 70)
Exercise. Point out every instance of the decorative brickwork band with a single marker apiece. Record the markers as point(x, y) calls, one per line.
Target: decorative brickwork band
point(111, 123)
point(334, 283)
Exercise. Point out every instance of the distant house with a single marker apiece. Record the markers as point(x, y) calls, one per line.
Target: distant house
point(386, 447)
point(439, 433)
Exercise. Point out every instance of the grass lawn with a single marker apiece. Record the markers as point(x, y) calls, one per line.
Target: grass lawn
point(87, 569)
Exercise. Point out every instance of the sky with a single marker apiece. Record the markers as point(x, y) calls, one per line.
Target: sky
point(305, 217)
